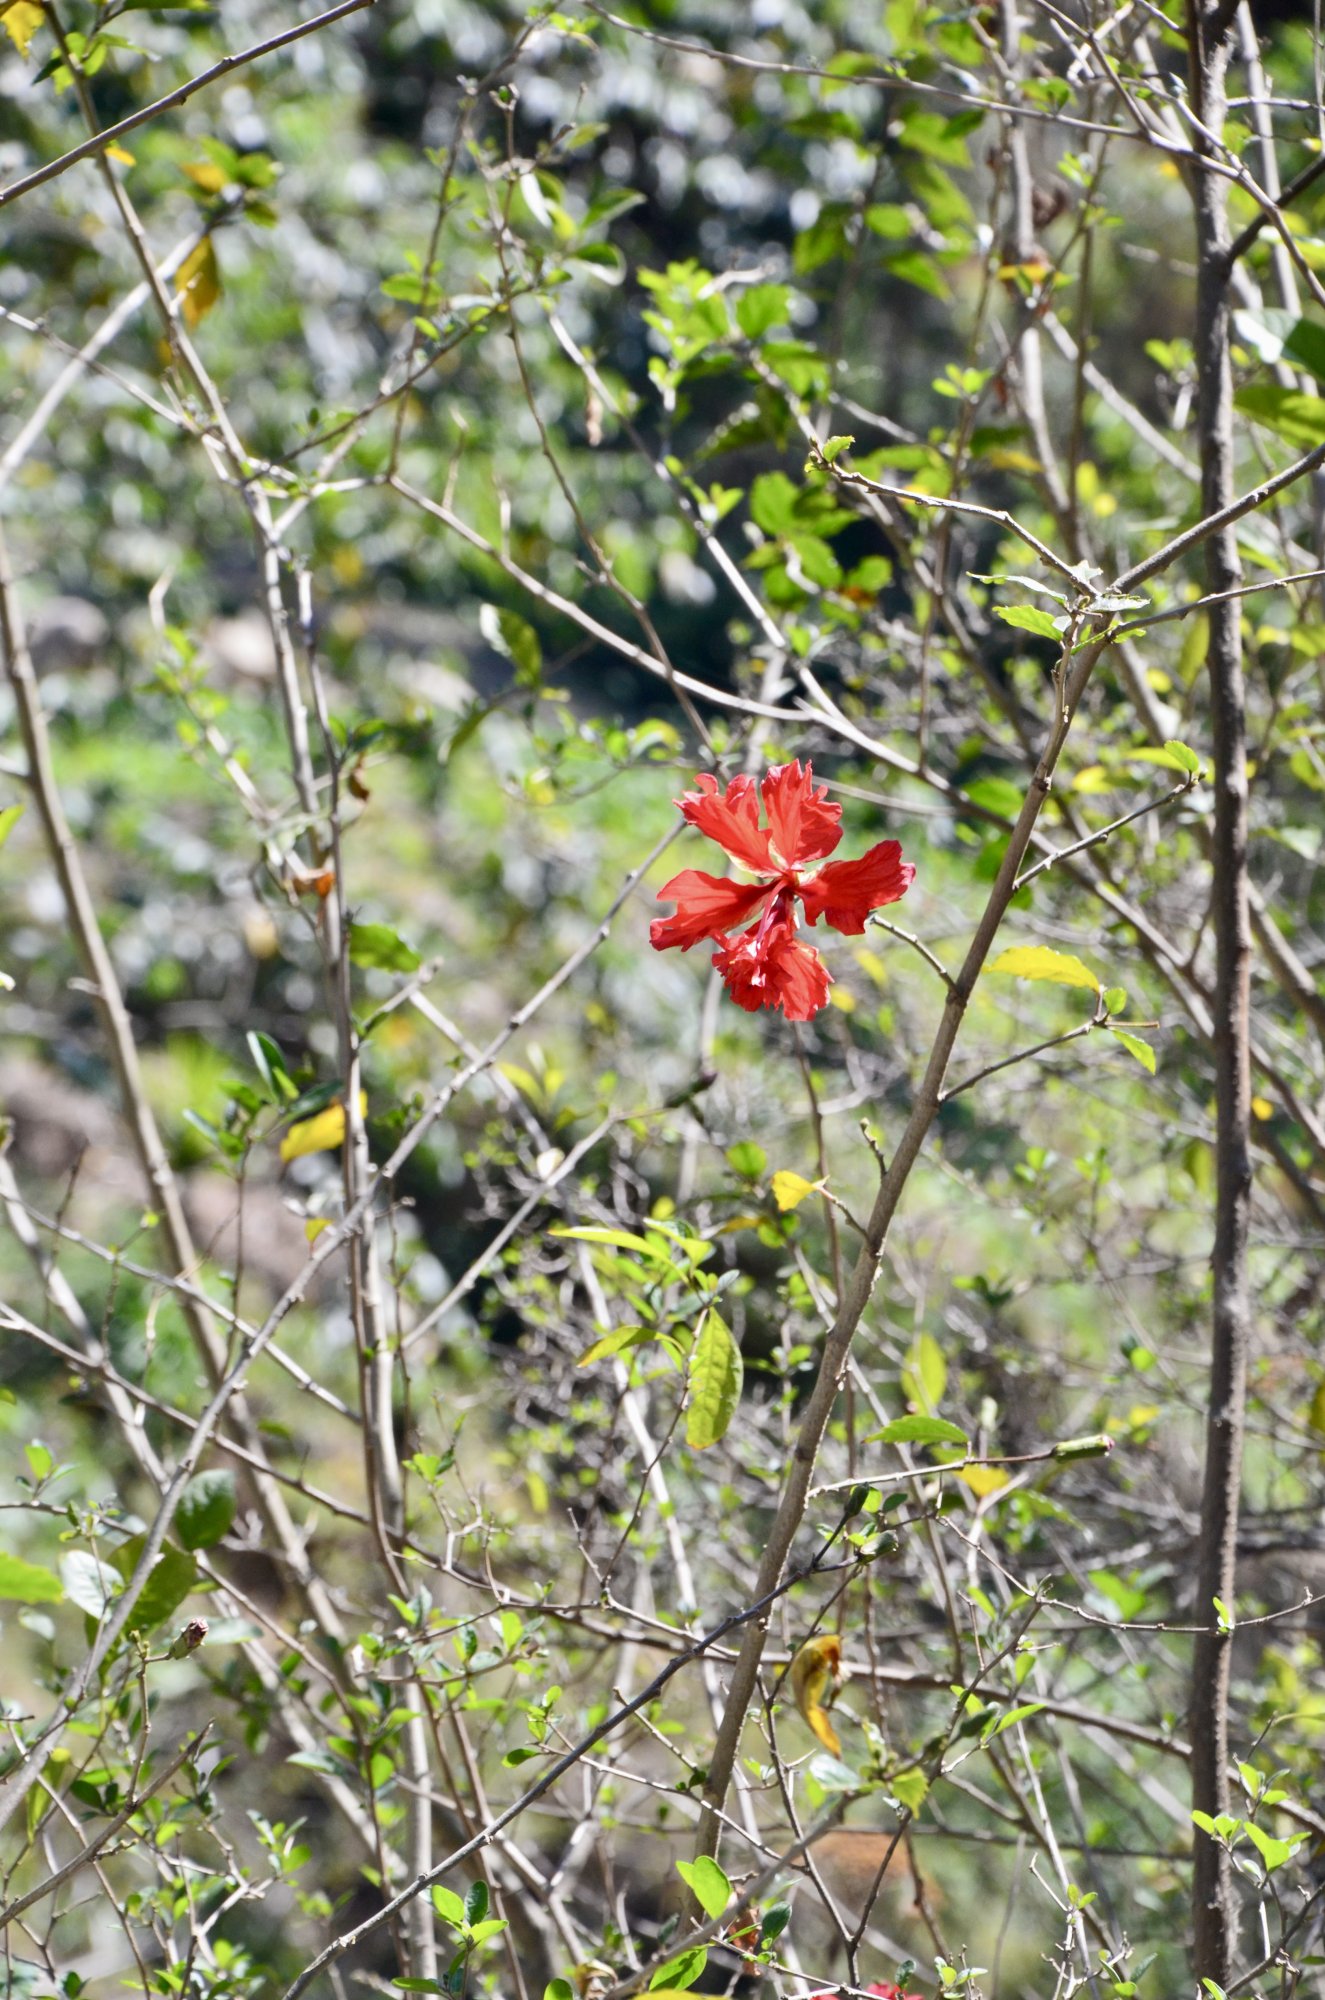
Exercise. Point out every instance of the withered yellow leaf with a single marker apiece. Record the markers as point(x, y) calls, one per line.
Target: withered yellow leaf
point(816, 1667)
point(790, 1190)
point(21, 20)
point(198, 282)
point(983, 1479)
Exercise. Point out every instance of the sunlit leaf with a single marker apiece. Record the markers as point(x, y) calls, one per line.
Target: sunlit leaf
point(1038, 962)
point(815, 1670)
point(198, 282)
point(716, 1375)
point(28, 1583)
point(917, 1430)
point(707, 1883)
point(790, 1190)
point(1143, 1052)
point(21, 21)
point(321, 1134)
point(925, 1374)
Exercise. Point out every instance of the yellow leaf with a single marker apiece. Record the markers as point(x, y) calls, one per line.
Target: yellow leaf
point(205, 175)
point(1092, 778)
point(1316, 1409)
point(1262, 1108)
point(21, 21)
point(319, 1134)
point(816, 1667)
point(983, 1480)
point(198, 282)
point(790, 1190)
point(125, 159)
point(843, 999)
point(315, 1225)
point(1036, 961)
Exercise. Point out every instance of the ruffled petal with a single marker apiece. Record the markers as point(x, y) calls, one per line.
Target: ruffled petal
point(707, 906)
point(802, 824)
point(730, 818)
point(844, 892)
point(768, 967)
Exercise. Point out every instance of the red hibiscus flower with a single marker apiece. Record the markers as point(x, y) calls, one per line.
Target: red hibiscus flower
point(766, 965)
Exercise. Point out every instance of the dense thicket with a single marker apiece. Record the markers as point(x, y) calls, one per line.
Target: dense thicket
point(478, 1386)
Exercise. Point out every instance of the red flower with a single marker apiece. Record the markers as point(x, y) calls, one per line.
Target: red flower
point(766, 966)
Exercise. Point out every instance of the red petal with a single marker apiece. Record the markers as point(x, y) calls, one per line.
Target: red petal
point(707, 906)
point(844, 892)
point(803, 826)
point(774, 970)
point(732, 819)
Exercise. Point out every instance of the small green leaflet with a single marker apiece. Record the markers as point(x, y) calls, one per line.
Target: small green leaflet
point(9, 818)
point(1134, 1046)
point(1006, 1721)
point(716, 1375)
point(707, 1884)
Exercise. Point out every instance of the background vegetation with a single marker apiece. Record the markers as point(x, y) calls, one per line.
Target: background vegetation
point(467, 1385)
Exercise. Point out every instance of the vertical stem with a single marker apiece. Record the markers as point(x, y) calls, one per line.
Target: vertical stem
point(1214, 1913)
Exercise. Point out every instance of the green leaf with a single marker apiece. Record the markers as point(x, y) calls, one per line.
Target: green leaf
point(448, 1906)
point(833, 447)
point(558, 1989)
point(1297, 418)
point(1185, 759)
point(206, 1509)
point(620, 1239)
point(1134, 1046)
point(997, 795)
point(680, 1972)
point(910, 1788)
point(747, 1159)
point(618, 1341)
point(476, 1902)
point(379, 946)
point(1273, 1852)
point(916, 267)
point(833, 1774)
point(89, 1584)
point(1030, 618)
point(172, 1576)
point(715, 1378)
point(762, 307)
point(27, 1583)
point(917, 1430)
point(1013, 1715)
point(707, 1883)
point(1305, 343)
point(9, 819)
point(1038, 962)
point(507, 632)
point(925, 1374)
point(269, 1063)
